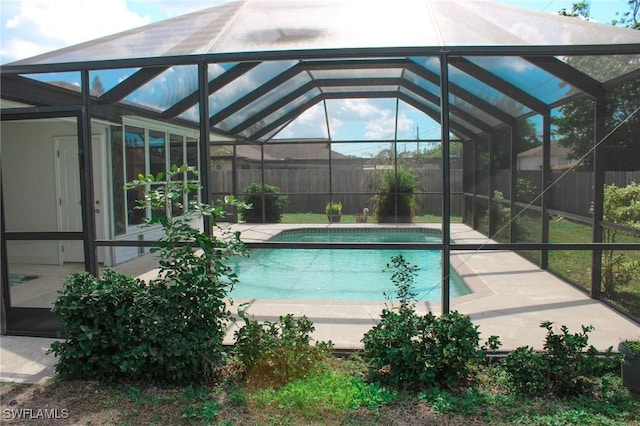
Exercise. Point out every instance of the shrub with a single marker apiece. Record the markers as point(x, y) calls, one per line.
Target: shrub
point(274, 203)
point(621, 205)
point(409, 350)
point(501, 219)
point(563, 368)
point(100, 319)
point(395, 190)
point(169, 329)
point(275, 353)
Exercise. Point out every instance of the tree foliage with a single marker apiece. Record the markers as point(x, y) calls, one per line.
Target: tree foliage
point(621, 207)
point(621, 132)
point(581, 9)
point(629, 18)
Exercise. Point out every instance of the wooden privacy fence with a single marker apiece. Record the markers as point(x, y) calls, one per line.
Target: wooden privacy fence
point(570, 192)
point(309, 189)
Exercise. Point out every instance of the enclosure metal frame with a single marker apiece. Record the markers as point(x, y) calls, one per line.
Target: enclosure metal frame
point(543, 56)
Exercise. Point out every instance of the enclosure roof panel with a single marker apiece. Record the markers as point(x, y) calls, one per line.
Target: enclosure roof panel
point(258, 65)
point(302, 25)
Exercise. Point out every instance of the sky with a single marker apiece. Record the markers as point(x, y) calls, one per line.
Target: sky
point(32, 27)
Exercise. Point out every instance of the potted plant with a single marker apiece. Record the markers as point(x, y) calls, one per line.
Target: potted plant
point(334, 211)
point(630, 349)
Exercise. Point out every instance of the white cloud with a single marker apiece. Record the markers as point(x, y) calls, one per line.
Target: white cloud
point(377, 116)
point(32, 27)
point(405, 125)
point(310, 124)
point(362, 109)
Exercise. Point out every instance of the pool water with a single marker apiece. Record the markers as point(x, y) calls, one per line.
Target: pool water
point(339, 274)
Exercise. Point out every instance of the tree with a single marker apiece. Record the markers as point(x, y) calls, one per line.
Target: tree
point(622, 121)
point(97, 86)
point(621, 207)
point(581, 9)
point(630, 18)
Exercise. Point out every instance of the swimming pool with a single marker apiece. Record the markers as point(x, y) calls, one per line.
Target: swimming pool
point(338, 274)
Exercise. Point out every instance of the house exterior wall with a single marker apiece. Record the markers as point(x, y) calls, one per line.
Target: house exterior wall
point(29, 184)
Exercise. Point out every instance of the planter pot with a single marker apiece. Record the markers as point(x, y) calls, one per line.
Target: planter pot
point(630, 369)
point(334, 218)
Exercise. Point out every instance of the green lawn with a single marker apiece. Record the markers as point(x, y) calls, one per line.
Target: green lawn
point(349, 218)
point(576, 265)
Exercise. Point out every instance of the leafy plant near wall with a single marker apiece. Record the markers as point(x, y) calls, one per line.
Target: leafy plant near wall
point(408, 350)
point(169, 329)
point(527, 190)
point(501, 215)
point(274, 203)
point(395, 193)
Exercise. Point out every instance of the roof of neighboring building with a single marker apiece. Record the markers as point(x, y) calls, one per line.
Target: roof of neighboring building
point(303, 151)
point(556, 151)
point(248, 152)
point(279, 151)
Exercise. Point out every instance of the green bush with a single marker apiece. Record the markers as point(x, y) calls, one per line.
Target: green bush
point(169, 329)
point(413, 351)
point(501, 217)
point(566, 366)
point(395, 189)
point(274, 203)
point(100, 319)
point(275, 353)
point(621, 205)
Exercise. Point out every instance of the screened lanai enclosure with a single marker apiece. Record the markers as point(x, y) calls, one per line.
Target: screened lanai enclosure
point(508, 124)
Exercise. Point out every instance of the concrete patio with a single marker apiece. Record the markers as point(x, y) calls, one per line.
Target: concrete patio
point(510, 298)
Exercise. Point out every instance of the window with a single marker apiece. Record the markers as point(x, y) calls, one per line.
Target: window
point(147, 150)
point(134, 152)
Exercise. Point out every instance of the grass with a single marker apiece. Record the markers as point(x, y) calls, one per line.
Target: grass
point(338, 396)
point(350, 218)
point(575, 266)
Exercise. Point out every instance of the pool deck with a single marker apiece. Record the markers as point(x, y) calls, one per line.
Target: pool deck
point(510, 298)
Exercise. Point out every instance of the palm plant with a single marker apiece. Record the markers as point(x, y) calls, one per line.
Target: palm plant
point(395, 196)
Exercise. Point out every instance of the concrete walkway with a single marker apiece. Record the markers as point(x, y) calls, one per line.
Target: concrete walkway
point(510, 298)
point(25, 359)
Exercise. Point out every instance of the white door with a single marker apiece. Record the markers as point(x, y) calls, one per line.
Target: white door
point(69, 199)
point(100, 199)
